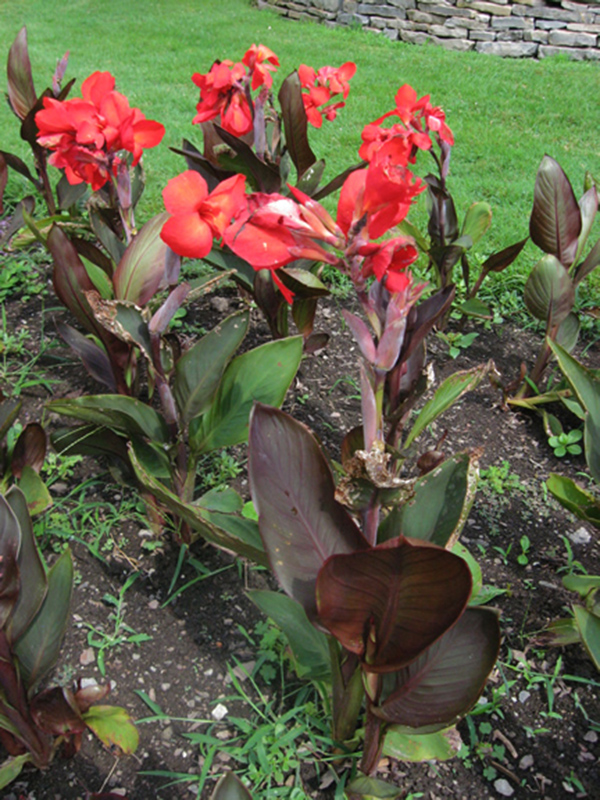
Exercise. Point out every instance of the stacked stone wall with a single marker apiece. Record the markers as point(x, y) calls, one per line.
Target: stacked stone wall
point(527, 29)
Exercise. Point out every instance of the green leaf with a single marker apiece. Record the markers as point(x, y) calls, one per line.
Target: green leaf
point(263, 375)
point(477, 221)
point(142, 267)
point(549, 291)
point(199, 370)
point(372, 788)
point(442, 501)
point(589, 628)
point(35, 491)
point(9, 411)
point(116, 412)
point(582, 584)
point(446, 395)
point(439, 746)
point(309, 645)
point(113, 726)
point(475, 308)
point(568, 332)
point(39, 647)
point(460, 550)
point(12, 767)
point(243, 541)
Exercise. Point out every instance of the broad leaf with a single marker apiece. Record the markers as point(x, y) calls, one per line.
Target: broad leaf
point(69, 194)
point(3, 180)
point(230, 787)
point(583, 382)
point(295, 124)
point(589, 628)
point(555, 222)
point(12, 768)
point(116, 412)
point(580, 502)
point(9, 411)
point(589, 263)
point(243, 541)
point(549, 291)
point(475, 308)
point(477, 221)
point(32, 574)
point(261, 375)
point(30, 449)
point(372, 788)
point(10, 544)
point(142, 267)
point(391, 602)
point(442, 500)
point(582, 584)
point(588, 207)
point(21, 91)
point(499, 261)
point(115, 247)
point(568, 332)
point(292, 487)
point(113, 726)
point(199, 370)
point(94, 357)
point(439, 746)
point(71, 280)
point(310, 648)
point(476, 575)
point(55, 711)
point(35, 491)
point(39, 647)
point(262, 175)
point(440, 686)
point(446, 395)
point(123, 319)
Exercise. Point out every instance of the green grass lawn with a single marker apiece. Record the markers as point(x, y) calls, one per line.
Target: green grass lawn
point(505, 113)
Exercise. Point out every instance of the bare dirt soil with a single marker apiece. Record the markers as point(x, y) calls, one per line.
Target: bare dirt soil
point(537, 733)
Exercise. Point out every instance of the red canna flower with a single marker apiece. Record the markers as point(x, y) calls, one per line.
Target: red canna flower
point(222, 93)
point(261, 62)
point(197, 215)
point(388, 263)
point(323, 86)
point(86, 134)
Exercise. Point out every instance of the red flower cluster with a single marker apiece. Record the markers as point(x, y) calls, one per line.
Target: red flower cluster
point(225, 89)
point(86, 134)
point(401, 141)
point(323, 86)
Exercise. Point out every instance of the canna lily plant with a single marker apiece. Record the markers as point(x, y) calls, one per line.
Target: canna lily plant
point(559, 225)
point(378, 610)
point(246, 133)
point(35, 723)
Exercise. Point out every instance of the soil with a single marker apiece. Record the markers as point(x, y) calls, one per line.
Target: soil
point(538, 733)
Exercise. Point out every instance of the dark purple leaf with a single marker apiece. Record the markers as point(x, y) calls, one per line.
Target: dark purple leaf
point(31, 569)
point(30, 449)
point(300, 522)
point(88, 250)
point(70, 278)
point(212, 174)
point(59, 74)
point(422, 319)
point(499, 261)
point(161, 318)
point(17, 220)
point(10, 542)
point(16, 163)
point(549, 292)
point(21, 91)
point(315, 342)
point(555, 222)
point(589, 263)
point(265, 177)
point(391, 602)
point(295, 124)
point(337, 182)
point(440, 686)
point(69, 194)
point(94, 358)
point(55, 712)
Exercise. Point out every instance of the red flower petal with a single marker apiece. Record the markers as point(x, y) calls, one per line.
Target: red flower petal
point(188, 235)
point(185, 193)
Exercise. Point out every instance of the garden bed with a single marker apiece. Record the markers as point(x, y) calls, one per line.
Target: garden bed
point(535, 732)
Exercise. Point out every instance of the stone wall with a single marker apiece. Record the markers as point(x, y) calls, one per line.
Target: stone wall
point(529, 28)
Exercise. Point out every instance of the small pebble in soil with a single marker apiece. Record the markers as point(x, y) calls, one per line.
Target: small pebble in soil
point(503, 787)
point(580, 536)
point(219, 711)
point(524, 696)
point(591, 736)
point(526, 762)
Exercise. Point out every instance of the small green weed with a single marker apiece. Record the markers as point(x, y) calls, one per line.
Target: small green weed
point(121, 632)
point(566, 443)
point(457, 342)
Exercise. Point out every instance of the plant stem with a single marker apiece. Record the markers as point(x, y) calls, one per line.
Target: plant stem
point(347, 697)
